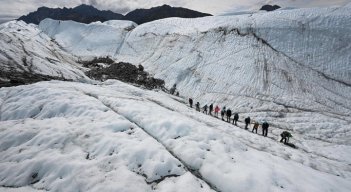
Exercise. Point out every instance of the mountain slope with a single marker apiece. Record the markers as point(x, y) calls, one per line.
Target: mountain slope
point(270, 7)
point(141, 16)
point(88, 14)
point(28, 55)
point(83, 13)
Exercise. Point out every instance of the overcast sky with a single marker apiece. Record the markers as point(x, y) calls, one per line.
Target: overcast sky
point(10, 9)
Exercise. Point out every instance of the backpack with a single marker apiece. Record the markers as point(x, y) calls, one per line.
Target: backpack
point(265, 125)
point(286, 134)
point(247, 120)
point(256, 125)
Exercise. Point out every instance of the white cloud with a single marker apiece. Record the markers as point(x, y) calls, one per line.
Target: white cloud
point(307, 3)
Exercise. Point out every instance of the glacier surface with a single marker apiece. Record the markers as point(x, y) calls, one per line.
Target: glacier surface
point(66, 136)
point(291, 68)
point(285, 66)
point(25, 49)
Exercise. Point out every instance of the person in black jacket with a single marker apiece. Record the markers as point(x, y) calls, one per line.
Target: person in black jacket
point(265, 126)
point(210, 109)
point(205, 109)
point(229, 113)
point(247, 122)
point(285, 137)
point(191, 102)
point(223, 112)
point(197, 105)
point(236, 118)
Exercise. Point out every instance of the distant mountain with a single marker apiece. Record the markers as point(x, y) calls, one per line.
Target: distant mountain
point(140, 16)
point(87, 14)
point(270, 7)
point(83, 14)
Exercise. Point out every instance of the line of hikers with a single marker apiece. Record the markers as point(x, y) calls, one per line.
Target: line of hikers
point(228, 113)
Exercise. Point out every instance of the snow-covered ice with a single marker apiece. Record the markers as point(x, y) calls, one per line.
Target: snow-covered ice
point(291, 67)
point(63, 139)
point(88, 40)
point(26, 49)
point(63, 136)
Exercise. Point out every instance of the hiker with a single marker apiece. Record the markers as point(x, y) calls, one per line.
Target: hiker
point(197, 105)
point(247, 122)
point(191, 102)
point(285, 137)
point(236, 118)
point(255, 127)
point(205, 109)
point(229, 113)
point(173, 89)
point(211, 109)
point(223, 112)
point(265, 126)
point(217, 110)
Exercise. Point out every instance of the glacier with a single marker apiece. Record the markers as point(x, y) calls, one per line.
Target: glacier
point(282, 66)
point(70, 136)
point(288, 67)
point(26, 50)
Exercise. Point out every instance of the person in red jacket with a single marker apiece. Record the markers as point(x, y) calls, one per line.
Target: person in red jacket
point(217, 109)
